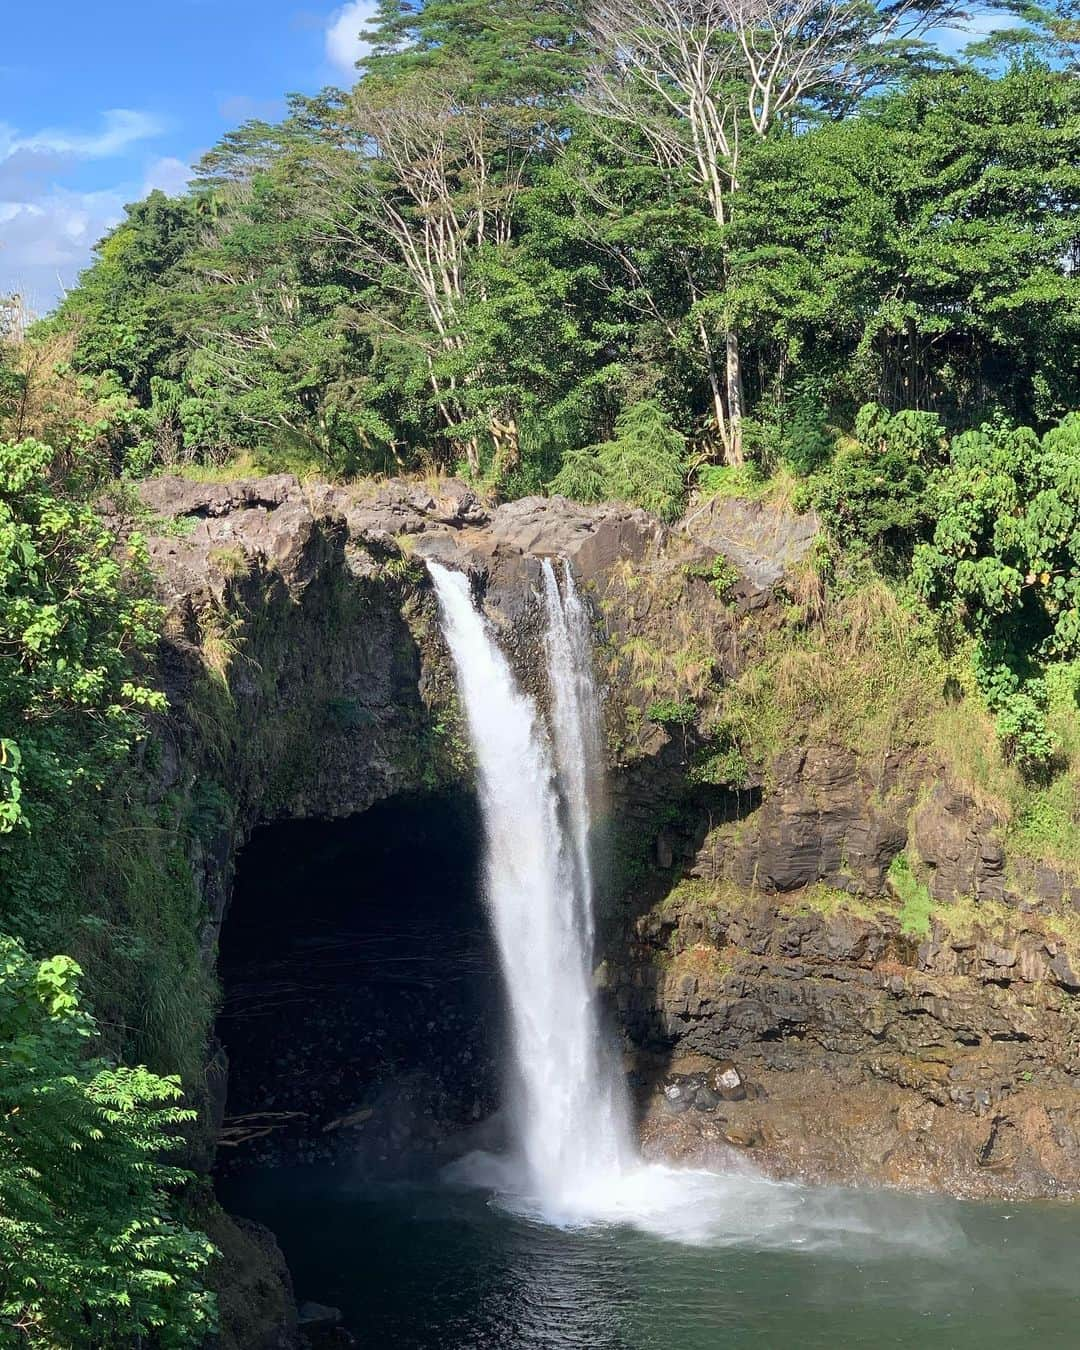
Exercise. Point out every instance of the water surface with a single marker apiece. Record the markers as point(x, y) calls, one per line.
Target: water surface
point(437, 1267)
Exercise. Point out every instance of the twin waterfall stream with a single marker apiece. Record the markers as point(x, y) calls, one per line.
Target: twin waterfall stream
point(536, 790)
point(574, 1159)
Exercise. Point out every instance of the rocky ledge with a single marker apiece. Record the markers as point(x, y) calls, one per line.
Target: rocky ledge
point(865, 1046)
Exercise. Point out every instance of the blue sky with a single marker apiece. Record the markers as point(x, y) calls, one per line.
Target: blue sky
point(100, 102)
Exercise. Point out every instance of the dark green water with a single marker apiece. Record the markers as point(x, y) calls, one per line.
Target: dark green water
point(433, 1267)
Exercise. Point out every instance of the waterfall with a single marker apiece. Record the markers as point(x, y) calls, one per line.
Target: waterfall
point(536, 787)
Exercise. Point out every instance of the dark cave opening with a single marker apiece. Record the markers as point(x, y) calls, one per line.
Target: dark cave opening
point(360, 992)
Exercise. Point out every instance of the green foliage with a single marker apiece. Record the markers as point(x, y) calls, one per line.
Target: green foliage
point(915, 900)
point(84, 866)
point(670, 713)
point(1004, 559)
point(75, 619)
point(721, 574)
point(88, 1251)
point(644, 464)
point(720, 762)
point(886, 256)
point(732, 480)
point(457, 261)
point(874, 492)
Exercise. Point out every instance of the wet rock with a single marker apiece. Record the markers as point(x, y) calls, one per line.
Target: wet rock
point(863, 1056)
point(745, 1134)
point(256, 1309)
point(727, 1082)
point(678, 1097)
point(322, 1327)
point(318, 1315)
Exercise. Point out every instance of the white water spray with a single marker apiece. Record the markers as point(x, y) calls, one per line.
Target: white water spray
point(571, 1118)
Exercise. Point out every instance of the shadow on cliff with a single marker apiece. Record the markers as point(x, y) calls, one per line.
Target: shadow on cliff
point(656, 827)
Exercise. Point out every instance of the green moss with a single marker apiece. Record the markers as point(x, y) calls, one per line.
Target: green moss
point(829, 901)
point(689, 893)
point(916, 901)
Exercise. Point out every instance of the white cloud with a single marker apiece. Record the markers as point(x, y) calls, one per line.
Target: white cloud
point(169, 174)
point(45, 244)
point(121, 128)
point(48, 231)
point(344, 46)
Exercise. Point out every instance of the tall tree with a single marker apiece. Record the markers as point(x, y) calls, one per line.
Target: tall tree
point(929, 249)
point(692, 79)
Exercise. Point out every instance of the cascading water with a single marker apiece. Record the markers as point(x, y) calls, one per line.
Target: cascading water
point(576, 1162)
point(535, 793)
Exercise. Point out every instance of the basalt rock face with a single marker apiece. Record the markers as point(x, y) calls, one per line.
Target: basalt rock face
point(946, 1059)
point(828, 818)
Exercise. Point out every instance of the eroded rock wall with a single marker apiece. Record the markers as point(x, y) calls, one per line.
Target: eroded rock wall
point(879, 1047)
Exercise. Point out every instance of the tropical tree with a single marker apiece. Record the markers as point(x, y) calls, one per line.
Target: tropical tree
point(89, 1253)
point(691, 82)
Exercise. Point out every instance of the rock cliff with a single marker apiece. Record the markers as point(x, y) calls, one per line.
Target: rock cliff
point(829, 960)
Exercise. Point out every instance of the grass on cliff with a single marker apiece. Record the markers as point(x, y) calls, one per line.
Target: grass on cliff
point(1041, 815)
point(872, 675)
point(868, 676)
point(916, 902)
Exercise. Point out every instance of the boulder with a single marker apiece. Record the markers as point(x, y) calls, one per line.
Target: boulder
point(764, 541)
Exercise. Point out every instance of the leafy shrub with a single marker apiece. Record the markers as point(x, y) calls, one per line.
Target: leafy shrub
point(668, 713)
point(74, 620)
point(1024, 735)
point(86, 865)
point(731, 480)
point(875, 490)
point(581, 477)
point(807, 443)
point(89, 1254)
point(720, 762)
point(915, 900)
point(644, 464)
point(721, 574)
point(1003, 560)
